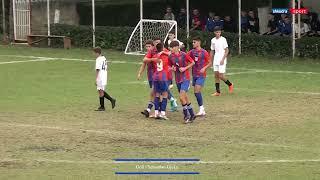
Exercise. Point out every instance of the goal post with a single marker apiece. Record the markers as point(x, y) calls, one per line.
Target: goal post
point(149, 29)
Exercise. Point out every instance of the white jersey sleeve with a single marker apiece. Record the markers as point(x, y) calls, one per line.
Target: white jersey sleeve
point(225, 43)
point(213, 41)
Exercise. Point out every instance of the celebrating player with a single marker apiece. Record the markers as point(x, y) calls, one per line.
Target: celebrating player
point(181, 63)
point(101, 79)
point(151, 52)
point(219, 53)
point(201, 59)
point(172, 37)
point(160, 82)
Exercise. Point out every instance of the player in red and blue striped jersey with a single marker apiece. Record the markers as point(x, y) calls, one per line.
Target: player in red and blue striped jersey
point(151, 53)
point(160, 81)
point(201, 58)
point(181, 63)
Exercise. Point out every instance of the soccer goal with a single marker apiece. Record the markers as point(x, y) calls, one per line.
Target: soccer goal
point(149, 29)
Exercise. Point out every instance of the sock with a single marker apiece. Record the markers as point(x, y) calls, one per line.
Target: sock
point(160, 105)
point(185, 110)
point(199, 98)
point(228, 82)
point(201, 108)
point(101, 101)
point(170, 95)
point(190, 110)
point(164, 104)
point(218, 87)
point(150, 105)
point(107, 96)
point(156, 103)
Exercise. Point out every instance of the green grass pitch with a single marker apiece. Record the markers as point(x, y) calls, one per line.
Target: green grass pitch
point(268, 129)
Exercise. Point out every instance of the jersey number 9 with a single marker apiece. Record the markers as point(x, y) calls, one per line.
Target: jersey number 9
point(160, 66)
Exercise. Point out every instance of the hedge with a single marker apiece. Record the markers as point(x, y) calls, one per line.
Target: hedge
point(272, 46)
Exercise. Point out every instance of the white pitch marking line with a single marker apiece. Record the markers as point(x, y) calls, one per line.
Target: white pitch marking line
point(139, 135)
point(282, 92)
point(34, 60)
point(126, 62)
point(268, 161)
point(275, 71)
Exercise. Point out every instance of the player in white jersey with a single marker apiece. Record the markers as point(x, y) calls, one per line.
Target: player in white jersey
point(101, 79)
point(219, 53)
point(172, 37)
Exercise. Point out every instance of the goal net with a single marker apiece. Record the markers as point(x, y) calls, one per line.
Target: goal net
point(149, 29)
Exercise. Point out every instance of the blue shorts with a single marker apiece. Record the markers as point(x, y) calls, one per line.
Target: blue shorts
point(184, 86)
point(150, 84)
point(198, 81)
point(160, 86)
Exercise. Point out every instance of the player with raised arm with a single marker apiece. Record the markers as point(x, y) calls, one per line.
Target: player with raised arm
point(172, 37)
point(219, 53)
point(181, 63)
point(101, 79)
point(201, 59)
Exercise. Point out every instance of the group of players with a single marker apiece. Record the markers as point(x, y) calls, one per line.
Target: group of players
point(161, 63)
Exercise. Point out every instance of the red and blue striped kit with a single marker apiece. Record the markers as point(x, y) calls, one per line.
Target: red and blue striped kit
point(179, 60)
point(201, 59)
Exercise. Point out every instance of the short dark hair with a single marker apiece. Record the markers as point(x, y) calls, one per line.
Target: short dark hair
point(217, 28)
point(97, 50)
point(159, 47)
point(157, 38)
point(149, 42)
point(196, 38)
point(172, 32)
point(174, 44)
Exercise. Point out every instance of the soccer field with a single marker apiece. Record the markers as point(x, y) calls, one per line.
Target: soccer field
point(269, 128)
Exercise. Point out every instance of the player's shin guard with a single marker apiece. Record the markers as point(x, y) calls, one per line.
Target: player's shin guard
point(199, 98)
point(101, 101)
point(185, 110)
point(107, 96)
point(190, 110)
point(164, 105)
point(228, 82)
point(218, 87)
point(150, 105)
point(156, 103)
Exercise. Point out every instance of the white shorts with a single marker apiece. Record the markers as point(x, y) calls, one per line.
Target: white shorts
point(101, 85)
point(220, 68)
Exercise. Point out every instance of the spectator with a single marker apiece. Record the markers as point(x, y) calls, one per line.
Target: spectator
point(182, 18)
point(169, 15)
point(253, 23)
point(229, 25)
point(218, 22)
point(281, 20)
point(272, 25)
point(285, 28)
point(314, 24)
point(304, 28)
point(210, 22)
point(196, 21)
point(244, 22)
